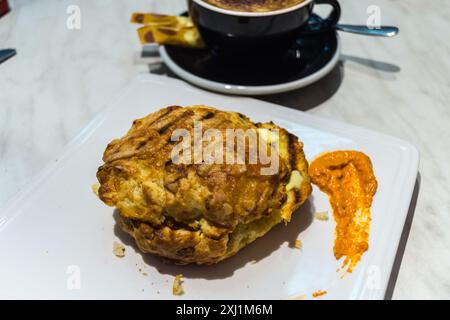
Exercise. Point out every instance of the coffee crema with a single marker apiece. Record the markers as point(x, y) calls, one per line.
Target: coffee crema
point(253, 5)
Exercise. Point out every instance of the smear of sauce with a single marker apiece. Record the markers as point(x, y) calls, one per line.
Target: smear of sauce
point(347, 178)
point(319, 293)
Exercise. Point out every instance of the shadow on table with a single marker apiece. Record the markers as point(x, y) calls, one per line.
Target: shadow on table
point(256, 251)
point(403, 241)
point(310, 96)
point(316, 93)
point(301, 99)
point(372, 64)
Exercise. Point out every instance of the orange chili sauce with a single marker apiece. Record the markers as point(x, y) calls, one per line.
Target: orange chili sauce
point(319, 293)
point(347, 178)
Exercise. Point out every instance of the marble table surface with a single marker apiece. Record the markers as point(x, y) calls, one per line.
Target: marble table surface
point(61, 78)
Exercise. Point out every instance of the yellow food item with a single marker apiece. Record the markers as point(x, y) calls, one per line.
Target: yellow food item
point(185, 37)
point(95, 188)
point(322, 216)
point(167, 30)
point(161, 20)
point(295, 181)
point(197, 213)
point(347, 178)
point(118, 250)
point(298, 244)
point(177, 289)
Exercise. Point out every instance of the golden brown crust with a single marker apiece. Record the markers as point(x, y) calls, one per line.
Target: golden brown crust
point(196, 213)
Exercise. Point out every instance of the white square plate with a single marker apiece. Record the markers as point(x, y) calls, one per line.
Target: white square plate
point(56, 237)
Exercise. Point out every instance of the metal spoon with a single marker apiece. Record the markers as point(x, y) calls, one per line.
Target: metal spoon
point(383, 31)
point(5, 54)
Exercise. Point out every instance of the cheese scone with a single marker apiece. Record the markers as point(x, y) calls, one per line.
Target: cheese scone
point(200, 211)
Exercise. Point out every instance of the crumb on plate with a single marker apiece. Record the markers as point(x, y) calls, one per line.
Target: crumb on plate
point(177, 289)
point(322, 216)
point(95, 188)
point(118, 250)
point(298, 244)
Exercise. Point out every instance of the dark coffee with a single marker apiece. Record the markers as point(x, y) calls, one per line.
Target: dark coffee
point(254, 5)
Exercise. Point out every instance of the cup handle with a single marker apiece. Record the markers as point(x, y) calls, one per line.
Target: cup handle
point(324, 24)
